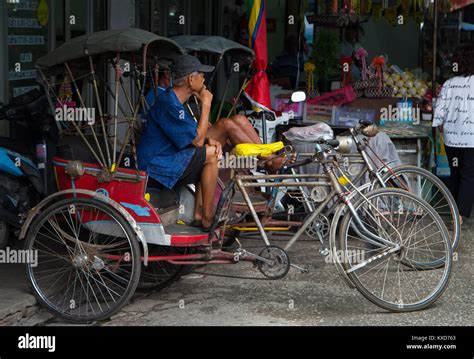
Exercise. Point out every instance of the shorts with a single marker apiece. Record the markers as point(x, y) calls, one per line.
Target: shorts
point(192, 173)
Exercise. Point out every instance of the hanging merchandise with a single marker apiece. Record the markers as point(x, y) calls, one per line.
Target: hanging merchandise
point(390, 15)
point(377, 87)
point(309, 68)
point(361, 56)
point(355, 6)
point(359, 86)
point(345, 5)
point(376, 11)
point(341, 13)
point(406, 8)
point(65, 95)
point(420, 7)
point(378, 63)
point(365, 6)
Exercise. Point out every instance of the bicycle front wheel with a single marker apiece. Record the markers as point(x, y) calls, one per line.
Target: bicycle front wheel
point(396, 272)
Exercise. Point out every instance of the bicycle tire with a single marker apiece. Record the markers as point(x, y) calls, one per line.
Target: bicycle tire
point(400, 305)
point(453, 208)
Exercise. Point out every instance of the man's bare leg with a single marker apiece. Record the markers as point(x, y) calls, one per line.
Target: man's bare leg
point(208, 187)
point(198, 203)
point(246, 127)
point(237, 129)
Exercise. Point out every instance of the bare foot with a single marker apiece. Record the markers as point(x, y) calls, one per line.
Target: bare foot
point(207, 223)
point(274, 164)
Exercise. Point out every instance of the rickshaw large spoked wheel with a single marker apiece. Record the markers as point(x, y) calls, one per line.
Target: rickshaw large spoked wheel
point(158, 275)
point(88, 263)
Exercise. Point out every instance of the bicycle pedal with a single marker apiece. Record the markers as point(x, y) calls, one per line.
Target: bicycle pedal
point(324, 251)
point(301, 269)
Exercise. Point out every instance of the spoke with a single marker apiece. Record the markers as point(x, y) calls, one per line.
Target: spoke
point(385, 279)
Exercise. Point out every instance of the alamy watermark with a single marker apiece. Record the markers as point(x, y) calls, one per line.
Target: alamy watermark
point(400, 114)
point(15, 256)
point(79, 114)
point(352, 256)
point(28, 341)
point(238, 162)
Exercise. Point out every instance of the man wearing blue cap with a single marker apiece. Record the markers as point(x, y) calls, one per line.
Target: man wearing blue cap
point(175, 150)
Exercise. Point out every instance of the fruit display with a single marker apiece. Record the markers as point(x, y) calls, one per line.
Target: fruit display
point(406, 84)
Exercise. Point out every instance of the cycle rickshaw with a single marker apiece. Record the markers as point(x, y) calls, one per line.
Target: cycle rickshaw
point(101, 235)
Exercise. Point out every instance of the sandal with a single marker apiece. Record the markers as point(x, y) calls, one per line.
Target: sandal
point(198, 224)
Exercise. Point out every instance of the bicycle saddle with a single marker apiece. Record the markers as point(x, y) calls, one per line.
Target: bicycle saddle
point(251, 149)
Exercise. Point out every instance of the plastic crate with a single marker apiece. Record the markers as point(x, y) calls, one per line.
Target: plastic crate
point(335, 98)
point(351, 116)
point(282, 104)
point(316, 113)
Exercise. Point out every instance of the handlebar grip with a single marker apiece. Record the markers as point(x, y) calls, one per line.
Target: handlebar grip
point(366, 122)
point(333, 143)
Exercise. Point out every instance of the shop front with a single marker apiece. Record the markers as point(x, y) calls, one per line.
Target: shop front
point(384, 62)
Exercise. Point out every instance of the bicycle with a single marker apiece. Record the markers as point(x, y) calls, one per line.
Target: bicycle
point(374, 211)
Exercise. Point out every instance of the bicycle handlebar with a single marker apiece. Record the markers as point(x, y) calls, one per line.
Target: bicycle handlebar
point(299, 163)
point(332, 143)
point(365, 127)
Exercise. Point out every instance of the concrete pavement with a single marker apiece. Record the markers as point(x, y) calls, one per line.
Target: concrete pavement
point(210, 297)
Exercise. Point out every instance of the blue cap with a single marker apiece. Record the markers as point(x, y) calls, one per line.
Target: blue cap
point(187, 64)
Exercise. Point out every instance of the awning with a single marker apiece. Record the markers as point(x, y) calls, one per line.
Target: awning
point(458, 4)
point(109, 42)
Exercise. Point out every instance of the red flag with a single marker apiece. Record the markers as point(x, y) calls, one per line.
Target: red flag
point(259, 87)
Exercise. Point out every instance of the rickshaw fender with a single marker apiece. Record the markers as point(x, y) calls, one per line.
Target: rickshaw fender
point(37, 209)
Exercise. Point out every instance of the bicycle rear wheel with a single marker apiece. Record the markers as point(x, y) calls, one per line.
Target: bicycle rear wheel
point(403, 279)
point(431, 189)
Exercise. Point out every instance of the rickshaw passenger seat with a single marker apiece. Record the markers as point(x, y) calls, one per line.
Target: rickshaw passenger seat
point(264, 150)
point(161, 197)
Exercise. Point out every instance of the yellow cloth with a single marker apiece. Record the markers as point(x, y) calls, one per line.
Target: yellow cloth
point(251, 149)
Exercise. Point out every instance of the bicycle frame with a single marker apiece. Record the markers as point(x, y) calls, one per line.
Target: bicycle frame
point(336, 193)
